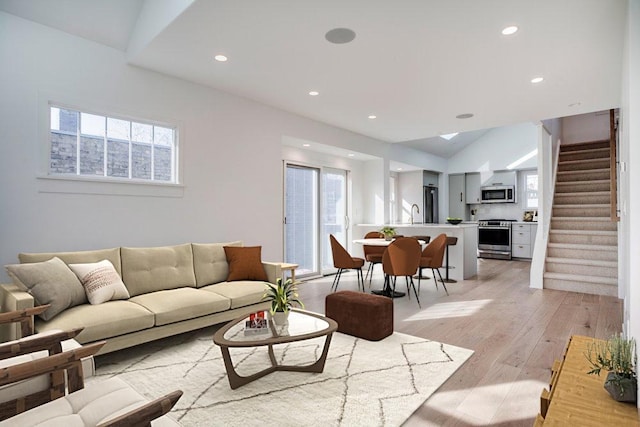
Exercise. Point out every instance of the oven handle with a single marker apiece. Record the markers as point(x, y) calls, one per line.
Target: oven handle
point(483, 227)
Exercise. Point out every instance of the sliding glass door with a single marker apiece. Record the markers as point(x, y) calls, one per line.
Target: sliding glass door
point(301, 219)
point(334, 213)
point(315, 206)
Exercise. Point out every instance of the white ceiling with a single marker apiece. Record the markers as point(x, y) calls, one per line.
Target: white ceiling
point(415, 64)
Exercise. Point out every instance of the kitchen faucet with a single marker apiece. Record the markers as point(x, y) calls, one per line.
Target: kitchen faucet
point(417, 211)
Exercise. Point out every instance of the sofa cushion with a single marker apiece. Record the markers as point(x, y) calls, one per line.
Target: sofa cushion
point(210, 262)
point(147, 270)
point(78, 257)
point(50, 282)
point(101, 321)
point(245, 263)
point(241, 293)
point(174, 305)
point(101, 281)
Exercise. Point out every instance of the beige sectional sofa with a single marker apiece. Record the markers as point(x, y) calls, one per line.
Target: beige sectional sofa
point(173, 289)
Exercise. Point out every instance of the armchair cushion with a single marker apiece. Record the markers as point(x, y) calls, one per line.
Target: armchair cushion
point(50, 282)
point(97, 403)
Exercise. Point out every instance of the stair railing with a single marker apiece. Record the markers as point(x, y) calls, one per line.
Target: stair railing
point(613, 164)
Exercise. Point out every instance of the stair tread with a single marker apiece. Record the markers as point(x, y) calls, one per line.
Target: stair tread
point(592, 262)
point(583, 171)
point(578, 161)
point(581, 278)
point(589, 181)
point(584, 232)
point(595, 247)
point(586, 193)
point(582, 205)
point(582, 218)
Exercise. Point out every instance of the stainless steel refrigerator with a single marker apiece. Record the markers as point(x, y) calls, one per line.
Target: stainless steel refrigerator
point(430, 204)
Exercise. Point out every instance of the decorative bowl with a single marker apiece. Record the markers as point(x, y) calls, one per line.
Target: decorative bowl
point(453, 221)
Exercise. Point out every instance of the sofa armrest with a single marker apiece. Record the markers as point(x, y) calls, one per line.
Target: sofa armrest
point(273, 270)
point(13, 298)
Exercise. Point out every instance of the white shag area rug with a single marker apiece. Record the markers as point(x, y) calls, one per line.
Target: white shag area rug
point(364, 383)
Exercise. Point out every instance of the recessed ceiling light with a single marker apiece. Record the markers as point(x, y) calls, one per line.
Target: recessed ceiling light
point(509, 30)
point(314, 93)
point(448, 136)
point(350, 154)
point(220, 58)
point(464, 116)
point(574, 104)
point(399, 169)
point(372, 117)
point(537, 79)
point(306, 145)
point(340, 35)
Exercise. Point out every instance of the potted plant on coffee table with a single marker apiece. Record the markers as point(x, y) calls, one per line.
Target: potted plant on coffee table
point(388, 232)
point(618, 357)
point(282, 297)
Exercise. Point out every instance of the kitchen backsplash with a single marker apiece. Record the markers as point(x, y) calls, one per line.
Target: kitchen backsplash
point(498, 211)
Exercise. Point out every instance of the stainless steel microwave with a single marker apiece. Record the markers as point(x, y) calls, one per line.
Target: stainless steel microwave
point(498, 194)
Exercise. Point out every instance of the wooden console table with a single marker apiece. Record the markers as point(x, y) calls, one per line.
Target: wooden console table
point(576, 398)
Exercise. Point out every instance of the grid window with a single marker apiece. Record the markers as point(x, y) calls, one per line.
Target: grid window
point(93, 145)
point(531, 190)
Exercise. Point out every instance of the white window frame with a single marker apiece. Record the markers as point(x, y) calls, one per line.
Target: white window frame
point(90, 184)
point(525, 192)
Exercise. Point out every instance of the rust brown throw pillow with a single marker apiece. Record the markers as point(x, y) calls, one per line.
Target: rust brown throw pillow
point(245, 263)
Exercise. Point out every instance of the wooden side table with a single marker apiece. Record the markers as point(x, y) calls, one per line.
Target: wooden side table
point(284, 266)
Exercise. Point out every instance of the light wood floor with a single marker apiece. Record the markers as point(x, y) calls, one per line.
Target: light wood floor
point(516, 333)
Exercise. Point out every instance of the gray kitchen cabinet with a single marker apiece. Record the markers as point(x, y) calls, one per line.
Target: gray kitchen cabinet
point(457, 206)
point(430, 178)
point(500, 178)
point(473, 182)
point(523, 237)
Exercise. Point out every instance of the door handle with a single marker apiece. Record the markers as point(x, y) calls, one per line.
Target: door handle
point(461, 196)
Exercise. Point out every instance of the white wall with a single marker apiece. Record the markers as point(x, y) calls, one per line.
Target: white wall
point(410, 191)
point(497, 149)
point(231, 150)
point(585, 127)
point(630, 179)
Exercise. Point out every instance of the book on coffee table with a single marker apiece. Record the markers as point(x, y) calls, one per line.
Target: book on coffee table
point(257, 324)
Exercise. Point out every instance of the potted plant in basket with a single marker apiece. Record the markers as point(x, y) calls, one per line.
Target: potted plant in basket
point(618, 357)
point(388, 232)
point(282, 297)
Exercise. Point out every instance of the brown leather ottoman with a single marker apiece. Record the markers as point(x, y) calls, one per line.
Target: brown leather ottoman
point(361, 315)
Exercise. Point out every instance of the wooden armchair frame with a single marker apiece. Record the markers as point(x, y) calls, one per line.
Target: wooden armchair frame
point(50, 342)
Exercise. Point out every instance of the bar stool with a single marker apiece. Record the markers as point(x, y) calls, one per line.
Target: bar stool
point(451, 241)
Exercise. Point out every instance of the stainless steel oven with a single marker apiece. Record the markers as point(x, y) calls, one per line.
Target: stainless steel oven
point(494, 238)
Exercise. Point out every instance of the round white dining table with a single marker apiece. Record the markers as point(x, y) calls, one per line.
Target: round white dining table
point(386, 291)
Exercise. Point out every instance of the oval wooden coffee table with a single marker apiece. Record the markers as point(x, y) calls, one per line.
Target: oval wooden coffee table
point(302, 325)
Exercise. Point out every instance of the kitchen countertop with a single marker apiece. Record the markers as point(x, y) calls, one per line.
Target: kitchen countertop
point(461, 225)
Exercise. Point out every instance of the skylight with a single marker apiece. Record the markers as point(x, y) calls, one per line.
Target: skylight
point(448, 136)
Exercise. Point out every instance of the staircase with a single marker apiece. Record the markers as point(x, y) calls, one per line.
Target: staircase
point(582, 253)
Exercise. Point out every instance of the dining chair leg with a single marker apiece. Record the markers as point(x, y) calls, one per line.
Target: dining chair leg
point(433, 271)
point(393, 290)
point(360, 279)
point(406, 279)
point(414, 291)
point(368, 270)
point(336, 280)
point(443, 285)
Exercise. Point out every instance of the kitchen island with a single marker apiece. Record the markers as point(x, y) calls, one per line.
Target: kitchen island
point(463, 257)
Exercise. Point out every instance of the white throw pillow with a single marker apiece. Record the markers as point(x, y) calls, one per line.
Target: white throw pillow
point(101, 281)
